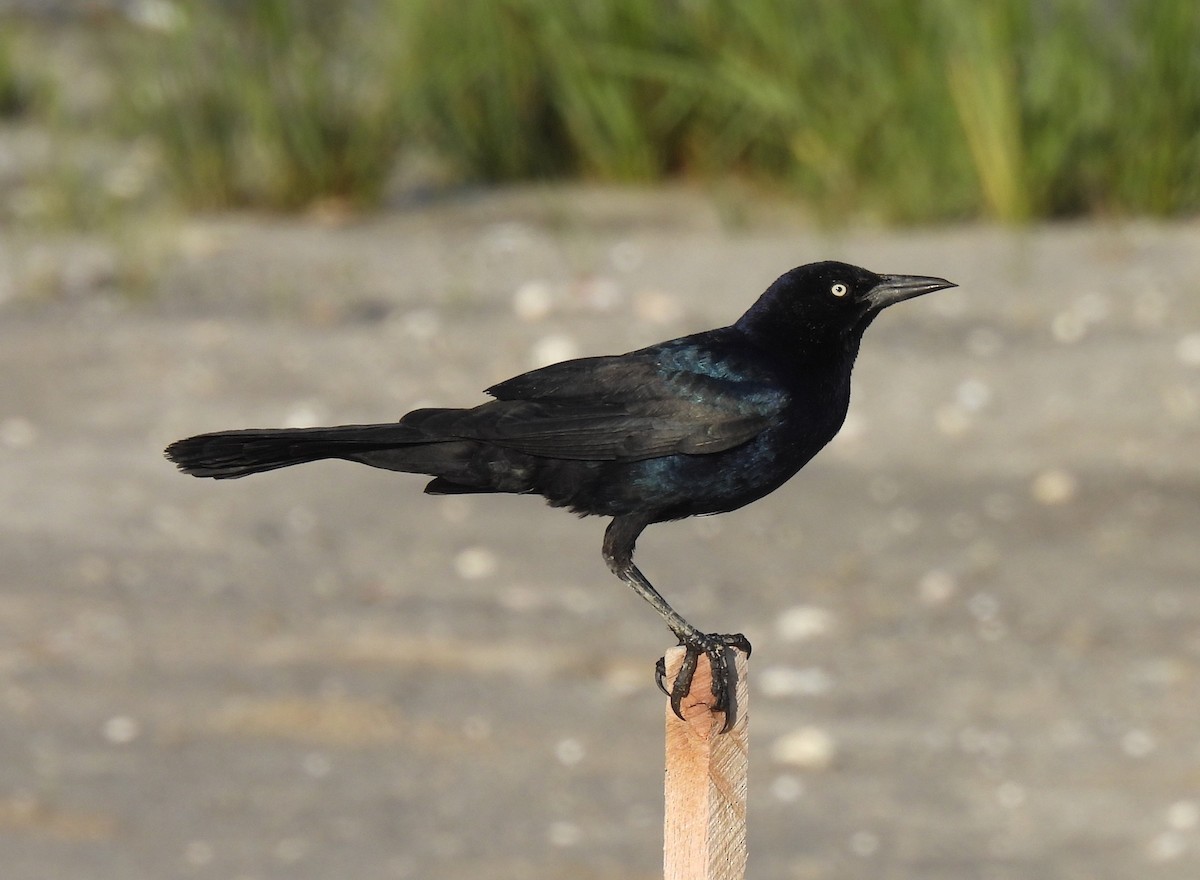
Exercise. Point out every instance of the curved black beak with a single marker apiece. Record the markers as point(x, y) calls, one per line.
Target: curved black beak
point(897, 288)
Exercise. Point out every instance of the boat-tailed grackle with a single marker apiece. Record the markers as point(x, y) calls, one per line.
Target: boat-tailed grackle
point(701, 424)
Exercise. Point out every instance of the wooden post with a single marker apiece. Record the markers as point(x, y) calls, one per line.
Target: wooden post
point(704, 835)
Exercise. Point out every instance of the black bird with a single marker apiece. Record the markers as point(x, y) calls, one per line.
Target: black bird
point(701, 424)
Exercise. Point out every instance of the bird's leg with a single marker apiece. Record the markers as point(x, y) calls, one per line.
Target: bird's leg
point(619, 540)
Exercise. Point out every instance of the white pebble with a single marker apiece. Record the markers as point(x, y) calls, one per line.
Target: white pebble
point(475, 563)
point(17, 433)
point(808, 747)
point(454, 508)
point(302, 415)
point(121, 729)
point(1188, 350)
point(421, 323)
point(973, 394)
point(533, 300)
point(553, 349)
point(937, 586)
point(656, 307)
point(1054, 486)
point(569, 752)
point(1138, 743)
point(600, 294)
point(1183, 815)
point(564, 834)
point(1167, 847)
point(802, 622)
point(156, 15)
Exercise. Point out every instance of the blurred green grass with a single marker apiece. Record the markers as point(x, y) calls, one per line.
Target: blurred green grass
point(19, 87)
point(11, 100)
point(899, 110)
point(271, 103)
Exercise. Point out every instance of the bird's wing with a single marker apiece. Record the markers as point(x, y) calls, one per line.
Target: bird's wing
point(599, 432)
point(595, 378)
point(625, 407)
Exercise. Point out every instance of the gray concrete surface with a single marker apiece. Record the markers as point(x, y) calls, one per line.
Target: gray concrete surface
point(976, 616)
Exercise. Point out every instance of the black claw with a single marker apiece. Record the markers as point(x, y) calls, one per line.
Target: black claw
point(714, 646)
point(739, 641)
point(683, 681)
point(660, 676)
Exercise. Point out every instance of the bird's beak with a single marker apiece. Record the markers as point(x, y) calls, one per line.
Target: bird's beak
point(897, 288)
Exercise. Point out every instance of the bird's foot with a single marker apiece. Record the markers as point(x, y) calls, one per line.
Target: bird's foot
point(715, 646)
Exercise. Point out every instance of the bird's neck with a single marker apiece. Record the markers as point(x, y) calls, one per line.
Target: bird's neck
point(793, 341)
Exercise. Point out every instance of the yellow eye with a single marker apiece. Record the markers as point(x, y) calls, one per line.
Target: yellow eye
point(839, 289)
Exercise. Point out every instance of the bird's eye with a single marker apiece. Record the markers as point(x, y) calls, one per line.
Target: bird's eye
point(839, 289)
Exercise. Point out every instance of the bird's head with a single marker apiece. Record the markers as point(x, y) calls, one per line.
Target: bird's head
point(830, 302)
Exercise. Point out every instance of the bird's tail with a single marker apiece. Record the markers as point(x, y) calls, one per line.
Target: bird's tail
point(396, 446)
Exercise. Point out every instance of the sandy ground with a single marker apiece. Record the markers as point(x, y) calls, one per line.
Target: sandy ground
point(976, 616)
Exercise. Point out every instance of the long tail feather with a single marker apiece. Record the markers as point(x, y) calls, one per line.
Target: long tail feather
point(230, 454)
